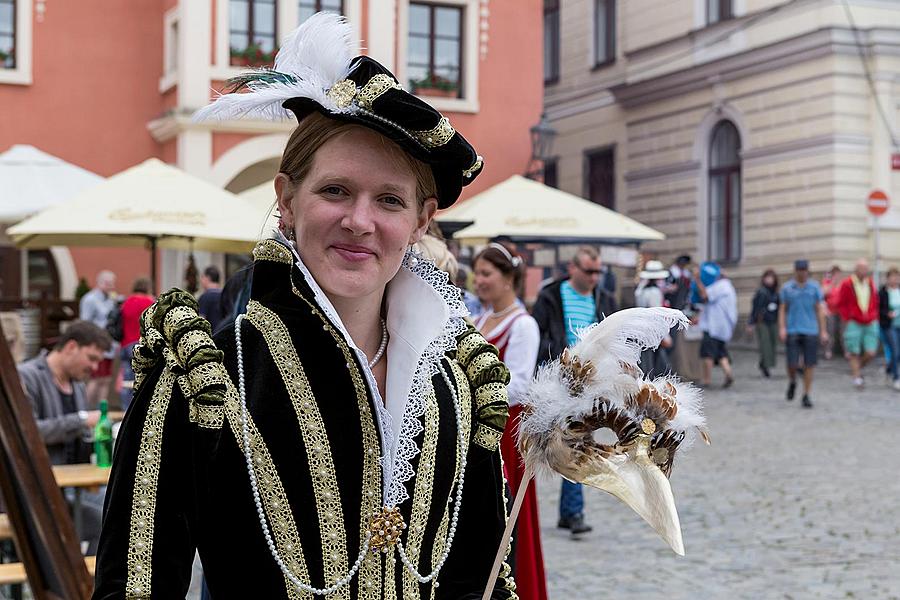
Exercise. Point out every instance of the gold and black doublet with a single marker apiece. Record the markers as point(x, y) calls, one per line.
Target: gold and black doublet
point(180, 478)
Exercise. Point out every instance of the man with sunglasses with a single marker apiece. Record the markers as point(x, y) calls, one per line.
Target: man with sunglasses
point(563, 308)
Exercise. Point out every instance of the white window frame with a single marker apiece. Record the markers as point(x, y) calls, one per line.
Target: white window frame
point(169, 79)
point(470, 50)
point(286, 15)
point(21, 74)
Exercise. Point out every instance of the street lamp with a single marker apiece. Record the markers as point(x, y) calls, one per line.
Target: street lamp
point(542, 137)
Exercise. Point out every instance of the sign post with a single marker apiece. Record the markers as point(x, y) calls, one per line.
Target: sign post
point(877, 203)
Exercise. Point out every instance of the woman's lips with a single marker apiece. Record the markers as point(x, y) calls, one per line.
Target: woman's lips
point(353, 253)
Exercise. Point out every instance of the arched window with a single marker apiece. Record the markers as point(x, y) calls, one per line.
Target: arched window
point(725, 193)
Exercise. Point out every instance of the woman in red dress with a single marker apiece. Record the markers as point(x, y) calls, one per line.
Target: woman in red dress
point(509, 327)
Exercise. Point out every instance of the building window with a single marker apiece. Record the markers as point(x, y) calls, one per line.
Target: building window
point(600, 183)
point(725, 193)
point(551, 177)
point(253, 33)
point(719, 10)
point(307, 8)
point(604, 31)
point(551, 41)
point(7, 34)
point(434, 59)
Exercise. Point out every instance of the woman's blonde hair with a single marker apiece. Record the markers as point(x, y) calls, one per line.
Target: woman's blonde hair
point(316, 129)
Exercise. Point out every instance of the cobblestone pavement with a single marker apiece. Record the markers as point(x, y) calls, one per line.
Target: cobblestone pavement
point(786, 504)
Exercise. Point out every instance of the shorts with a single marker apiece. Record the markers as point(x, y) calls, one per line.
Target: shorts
point(712, 348)
point(861, 337)
point(799, 345)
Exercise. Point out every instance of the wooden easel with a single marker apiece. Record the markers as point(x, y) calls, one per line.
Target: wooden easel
point(42, 528)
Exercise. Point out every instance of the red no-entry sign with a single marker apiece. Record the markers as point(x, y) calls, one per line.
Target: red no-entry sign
point(877, 203)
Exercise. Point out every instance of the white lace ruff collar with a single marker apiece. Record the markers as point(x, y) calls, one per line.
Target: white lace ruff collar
point(425, 314)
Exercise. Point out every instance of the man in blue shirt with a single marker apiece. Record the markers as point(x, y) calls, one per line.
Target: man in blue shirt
point(562, 309)
point(801, 325)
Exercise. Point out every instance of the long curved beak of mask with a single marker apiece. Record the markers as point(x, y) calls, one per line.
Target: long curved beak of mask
point(634, 479)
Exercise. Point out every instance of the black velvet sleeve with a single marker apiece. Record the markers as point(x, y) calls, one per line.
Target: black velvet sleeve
point(482, 519)
point(172, 551)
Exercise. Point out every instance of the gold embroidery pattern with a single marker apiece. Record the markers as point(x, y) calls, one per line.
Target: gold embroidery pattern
point(479, 162)
point(480, 364)
point(190, 342)
point(421, 501)
point(274, 498)
point(315, 439)
point(439, 541)
point(206, 415)
point(437, 136)
point(177, 318)
point(467, 345)
point(203, 376)
point(487, 437)
point(390, 578)
point(505, 569)
point(374, 88)
point(342, 93)
point(370, 579)
point(143, 503)
point(272, 251)
point(490, 393)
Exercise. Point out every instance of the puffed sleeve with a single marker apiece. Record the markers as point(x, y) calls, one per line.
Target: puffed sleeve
point(483, 513)
point(147, 543)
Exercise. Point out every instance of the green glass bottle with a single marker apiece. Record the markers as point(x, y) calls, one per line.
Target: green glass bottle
point(103, 442)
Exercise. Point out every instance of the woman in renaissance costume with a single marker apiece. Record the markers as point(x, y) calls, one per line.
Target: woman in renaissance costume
point(341, 439)
point(508, 327)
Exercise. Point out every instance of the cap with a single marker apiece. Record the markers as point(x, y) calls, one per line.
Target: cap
point(801, 265)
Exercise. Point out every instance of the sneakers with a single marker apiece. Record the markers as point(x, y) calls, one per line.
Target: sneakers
point(859, 383)
point(807, 403)
point(574, 524)
point(728, 382)
point(792, 389)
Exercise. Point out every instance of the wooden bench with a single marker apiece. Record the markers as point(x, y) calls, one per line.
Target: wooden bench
point(13, 573)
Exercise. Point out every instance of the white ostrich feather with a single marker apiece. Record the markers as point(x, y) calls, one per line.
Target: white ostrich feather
point(316, 56)
point(624, 334)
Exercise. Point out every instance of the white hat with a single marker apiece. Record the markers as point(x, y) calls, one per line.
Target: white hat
point(654, 269)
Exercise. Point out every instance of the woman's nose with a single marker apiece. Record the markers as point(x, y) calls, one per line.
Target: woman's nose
point(359, 218)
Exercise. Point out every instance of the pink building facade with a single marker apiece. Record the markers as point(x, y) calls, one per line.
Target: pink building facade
point(106, 85)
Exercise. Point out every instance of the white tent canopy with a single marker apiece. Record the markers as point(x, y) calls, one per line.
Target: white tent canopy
point(152, 202)
point(262, 198)
point(32, 180)
point(527, 210)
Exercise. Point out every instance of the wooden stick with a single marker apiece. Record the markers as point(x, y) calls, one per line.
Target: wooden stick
point(507, 533)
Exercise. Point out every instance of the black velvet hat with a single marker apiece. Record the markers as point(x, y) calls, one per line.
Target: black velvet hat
point(315, 70)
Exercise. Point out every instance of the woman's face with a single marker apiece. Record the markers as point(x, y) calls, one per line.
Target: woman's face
point(490, 283)
point(354, 215)
point(768, 281)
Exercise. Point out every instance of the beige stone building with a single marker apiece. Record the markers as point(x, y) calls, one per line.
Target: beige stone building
point(748, 131)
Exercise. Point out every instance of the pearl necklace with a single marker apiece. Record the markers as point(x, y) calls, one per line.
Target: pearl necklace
point(261, 514)
point(504, 312)
point(381, 347)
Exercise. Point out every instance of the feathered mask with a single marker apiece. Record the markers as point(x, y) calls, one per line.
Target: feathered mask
point(598, 385)
point(317, 70)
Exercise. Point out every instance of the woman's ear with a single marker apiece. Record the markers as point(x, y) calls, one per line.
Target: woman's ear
point(424, 219)
point(284, 193)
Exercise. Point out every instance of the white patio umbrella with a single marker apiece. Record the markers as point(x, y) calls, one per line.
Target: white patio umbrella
point(529, 211)
point(152, 204)
point(262, 198)
point(32, 180)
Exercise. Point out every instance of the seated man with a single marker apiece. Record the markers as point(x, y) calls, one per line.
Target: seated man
point(54, 383)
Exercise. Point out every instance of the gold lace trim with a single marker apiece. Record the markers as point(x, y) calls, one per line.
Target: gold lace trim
point(390, 578)
point(274, 498)
point(490, 393)
point(203, 376)
point(370, 573)
point(374, 88)
point(176, 319)
point(143, 503)
point(421, 500)
point(467, 173)
point(207, 415)
point(272, 251)
point(190, 342)
point(342, 93)
point(505, 570)
point(480, 363)
point(315, 440)
point(487, 437)
point(437, 136)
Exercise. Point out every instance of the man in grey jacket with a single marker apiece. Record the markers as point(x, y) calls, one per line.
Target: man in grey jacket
point(54, 384)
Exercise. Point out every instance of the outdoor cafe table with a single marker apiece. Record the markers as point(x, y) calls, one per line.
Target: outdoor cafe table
point(80, 476)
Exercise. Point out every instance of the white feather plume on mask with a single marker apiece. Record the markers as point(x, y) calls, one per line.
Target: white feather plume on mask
point(311, 60)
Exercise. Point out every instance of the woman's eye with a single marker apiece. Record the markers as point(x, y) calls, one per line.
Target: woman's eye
point(332, 190)
point(394, 201)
